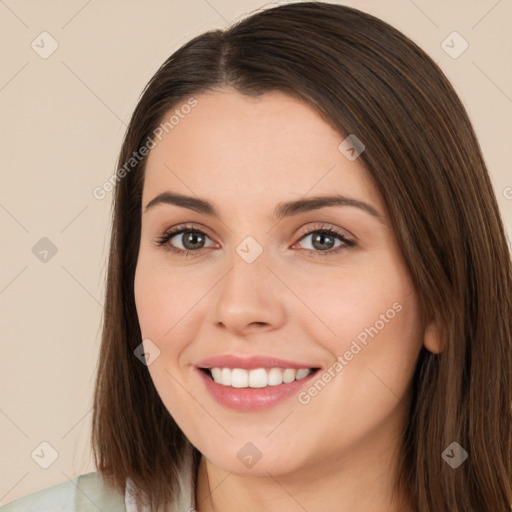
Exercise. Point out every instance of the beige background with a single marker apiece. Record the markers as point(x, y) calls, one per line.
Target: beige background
point(61, 124)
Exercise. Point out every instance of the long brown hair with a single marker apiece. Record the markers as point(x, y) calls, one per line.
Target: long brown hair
point(365, 78)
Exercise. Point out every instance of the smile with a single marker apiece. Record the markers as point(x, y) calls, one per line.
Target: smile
point(253, 383)
point(256, 378)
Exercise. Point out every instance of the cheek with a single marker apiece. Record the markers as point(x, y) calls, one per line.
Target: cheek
point(374, 349)
point(164, 300)
point(374, 308)
point(371, 319)
point(374, 291)
point(162, 303)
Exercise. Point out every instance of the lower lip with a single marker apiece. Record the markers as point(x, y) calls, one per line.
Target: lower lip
point(253, 399)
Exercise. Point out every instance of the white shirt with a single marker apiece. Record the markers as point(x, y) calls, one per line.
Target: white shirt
point(89, 493)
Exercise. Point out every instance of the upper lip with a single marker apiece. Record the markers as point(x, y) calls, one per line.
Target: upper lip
point(250, 363)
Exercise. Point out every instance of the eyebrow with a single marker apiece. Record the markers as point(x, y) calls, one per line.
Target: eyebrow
point(282, 210)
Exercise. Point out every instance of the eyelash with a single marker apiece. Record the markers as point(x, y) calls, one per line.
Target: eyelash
point(164, 239)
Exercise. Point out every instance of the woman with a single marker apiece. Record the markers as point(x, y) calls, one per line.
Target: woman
point(308, 302)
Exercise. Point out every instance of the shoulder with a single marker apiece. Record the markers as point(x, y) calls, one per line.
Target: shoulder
point(84, 493)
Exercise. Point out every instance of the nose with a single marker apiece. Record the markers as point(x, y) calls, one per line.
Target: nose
point(249, 298)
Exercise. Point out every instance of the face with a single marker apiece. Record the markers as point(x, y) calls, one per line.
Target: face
point(316, 296)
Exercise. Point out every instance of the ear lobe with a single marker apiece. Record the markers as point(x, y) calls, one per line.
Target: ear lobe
point(433, 339)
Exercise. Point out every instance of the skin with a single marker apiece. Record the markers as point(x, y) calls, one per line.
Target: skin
point(246, 155)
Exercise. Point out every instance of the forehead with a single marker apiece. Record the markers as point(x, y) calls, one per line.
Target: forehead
point(233, 146)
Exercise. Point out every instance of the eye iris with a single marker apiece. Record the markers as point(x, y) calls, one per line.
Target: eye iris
point(319, 240)
point(194, 238)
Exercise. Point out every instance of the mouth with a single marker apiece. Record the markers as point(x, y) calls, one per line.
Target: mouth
point(257, 377)
point(253, 383)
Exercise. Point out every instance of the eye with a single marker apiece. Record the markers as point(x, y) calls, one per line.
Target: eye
point(191, 239)
point(323, 240)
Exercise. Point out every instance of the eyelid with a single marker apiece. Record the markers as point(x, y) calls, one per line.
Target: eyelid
point(347, 239)
point(319, 226)
point(183, 228)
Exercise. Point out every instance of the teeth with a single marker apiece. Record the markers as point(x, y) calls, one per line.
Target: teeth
point(257, 378)
point(289, 376)
point(239, 377)
point(303, 372)
point(217, 374)
point(226, 376)
point(275, 377)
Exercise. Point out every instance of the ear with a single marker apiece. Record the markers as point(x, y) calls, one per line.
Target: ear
point(433, 339)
